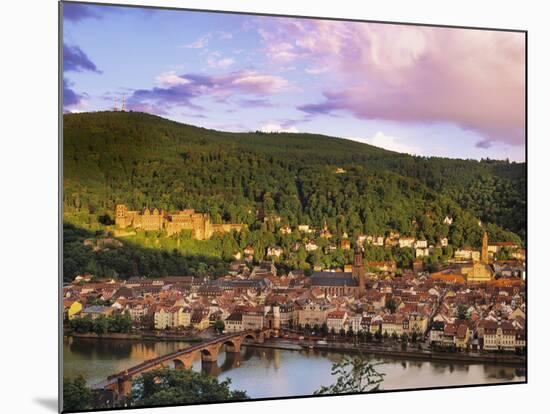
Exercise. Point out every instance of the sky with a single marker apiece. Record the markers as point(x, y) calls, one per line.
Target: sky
point(429, 91)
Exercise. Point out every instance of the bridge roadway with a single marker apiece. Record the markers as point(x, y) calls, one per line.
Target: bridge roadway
point(120, 383)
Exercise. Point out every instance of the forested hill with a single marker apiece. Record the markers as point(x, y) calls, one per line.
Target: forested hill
point(144, 160)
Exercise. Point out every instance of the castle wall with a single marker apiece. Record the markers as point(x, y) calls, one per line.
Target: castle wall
point(226, 227)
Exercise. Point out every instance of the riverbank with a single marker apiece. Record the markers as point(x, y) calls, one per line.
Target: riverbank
point(276, 345)
point(470, 357)
point(136, 337)
point(274, 373)
point(297, 345)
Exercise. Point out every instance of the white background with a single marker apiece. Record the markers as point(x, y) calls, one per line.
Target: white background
point(28, 203)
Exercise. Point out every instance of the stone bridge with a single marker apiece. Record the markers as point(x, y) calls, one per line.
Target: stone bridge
point(119, 385)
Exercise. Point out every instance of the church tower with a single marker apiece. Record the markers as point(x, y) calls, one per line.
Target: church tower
point(358, 271)
point(485, 249)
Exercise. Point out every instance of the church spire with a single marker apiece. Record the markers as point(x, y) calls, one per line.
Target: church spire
point(358, 270)
point(485, 248)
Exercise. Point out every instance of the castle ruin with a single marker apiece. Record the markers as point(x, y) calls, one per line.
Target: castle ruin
point(154, 219)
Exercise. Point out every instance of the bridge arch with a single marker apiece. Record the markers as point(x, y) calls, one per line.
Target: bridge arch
point(232, 345)
point(210, 353)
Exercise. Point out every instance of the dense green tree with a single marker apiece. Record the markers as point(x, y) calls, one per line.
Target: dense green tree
point(391, 305)
point(82, 325)
point(101, 325)
point(76, 394)
point(119, 323)
point(133, 259)
point(142, 160)
point(368, 336)
point(182, 386)
point(219, 326)
point(462, 312)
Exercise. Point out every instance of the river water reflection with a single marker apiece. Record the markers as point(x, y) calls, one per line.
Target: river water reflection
point(267, 372)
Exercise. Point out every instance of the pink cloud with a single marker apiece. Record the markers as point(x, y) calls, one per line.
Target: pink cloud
point(472, 78)
point(181, 90)
point(256, 83)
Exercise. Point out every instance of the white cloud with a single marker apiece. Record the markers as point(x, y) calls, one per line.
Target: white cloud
point(390, 143)
point(257, 82)
point(280, 52)
point(225, 35)
point(317, 70)
point(219, 63)
point(275, 127)
point(170, 79)
point(199, 43)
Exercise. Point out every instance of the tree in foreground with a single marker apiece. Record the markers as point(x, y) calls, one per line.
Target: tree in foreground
point(170, 386)
point(462, 312)
point(219, 326)
point(76, 395)
point(354, 374)
point(391, 305)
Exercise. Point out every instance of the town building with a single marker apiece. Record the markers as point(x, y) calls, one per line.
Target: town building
point(71, 308)
point(499, 336)
point(387, 266)
point(199, 319)
point(253, 318)
point(312, 314)
point(336, 320)
point(96, 311)
point(171, 317)
point(234, 323)
point(406, 242)
point(345, 243)
point(467, 253)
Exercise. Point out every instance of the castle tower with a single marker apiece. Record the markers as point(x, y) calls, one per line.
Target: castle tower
point(485, 248)
point(120, 215)
point(358, 271)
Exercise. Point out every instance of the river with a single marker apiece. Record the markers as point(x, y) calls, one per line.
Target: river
point(267, 372)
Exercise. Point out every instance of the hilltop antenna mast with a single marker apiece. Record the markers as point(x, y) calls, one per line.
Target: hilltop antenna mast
point(123, 109)
point(115, 107)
